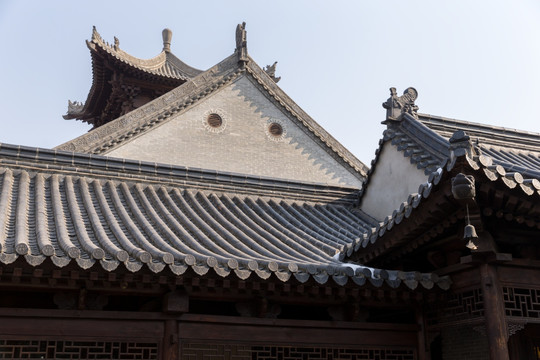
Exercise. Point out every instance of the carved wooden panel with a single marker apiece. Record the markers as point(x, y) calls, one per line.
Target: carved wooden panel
point(457, 307)
point(59, 349)
point(206, 351)
point(524, 303)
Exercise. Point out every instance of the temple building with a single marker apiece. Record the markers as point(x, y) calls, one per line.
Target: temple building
point(206, 216)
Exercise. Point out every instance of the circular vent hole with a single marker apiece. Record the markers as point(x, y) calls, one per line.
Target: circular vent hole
point(275, 129)
point(214, 120)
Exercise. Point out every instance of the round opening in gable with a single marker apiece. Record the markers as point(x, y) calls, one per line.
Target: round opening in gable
point(214, 120)
point(275, 129)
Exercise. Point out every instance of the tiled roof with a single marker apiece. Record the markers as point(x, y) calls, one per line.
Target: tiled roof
point(67, 214)
point(514, 150)
point(425, 141)
point(165, 69)
point(160, 110)
point(483, 164)
point(165, 64)
point(508, 156)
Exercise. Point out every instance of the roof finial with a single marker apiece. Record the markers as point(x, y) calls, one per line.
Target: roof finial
point(167, 37)
point(396, 106)
point(241, 42)
point(271, 71)
point(95, 34)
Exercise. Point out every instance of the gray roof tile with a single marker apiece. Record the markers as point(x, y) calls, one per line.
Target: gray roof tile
point(506, 155)
point(71, 217)
point(165, 64)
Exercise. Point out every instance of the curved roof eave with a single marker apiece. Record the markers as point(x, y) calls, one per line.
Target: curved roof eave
point(255, 236)
point(484, 165)
point(165, 64)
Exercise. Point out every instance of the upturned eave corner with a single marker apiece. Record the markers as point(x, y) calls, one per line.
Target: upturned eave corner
point(118, 74)
point(465, 168)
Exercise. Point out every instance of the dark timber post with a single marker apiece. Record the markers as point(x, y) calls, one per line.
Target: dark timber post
point(421, 334)
point(174, 303)
point(483, 252)
point(171, 346)
point(496, 329)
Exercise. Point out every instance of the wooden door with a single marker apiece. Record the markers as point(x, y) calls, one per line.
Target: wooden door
point(525, 344)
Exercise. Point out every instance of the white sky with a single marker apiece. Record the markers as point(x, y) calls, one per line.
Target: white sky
point(472, 60)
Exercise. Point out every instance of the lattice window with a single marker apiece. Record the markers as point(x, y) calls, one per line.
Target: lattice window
point(457, 307)
point(205, 351)
point(54, 349)
point(523, 303)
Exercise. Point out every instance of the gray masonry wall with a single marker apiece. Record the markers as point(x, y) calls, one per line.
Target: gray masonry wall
point(391, 183)
point(242, 144)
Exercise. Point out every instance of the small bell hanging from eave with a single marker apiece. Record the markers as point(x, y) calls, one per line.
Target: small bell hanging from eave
point(470, 234)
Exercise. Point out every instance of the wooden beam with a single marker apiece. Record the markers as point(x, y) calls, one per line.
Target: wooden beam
point(176, 302)
point(423, 347)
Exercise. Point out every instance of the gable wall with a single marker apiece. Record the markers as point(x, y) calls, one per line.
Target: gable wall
point(391, 183)
point(243, 144)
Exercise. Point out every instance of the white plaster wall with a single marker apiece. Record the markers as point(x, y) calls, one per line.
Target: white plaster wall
point(393, 180)
point(243, 145)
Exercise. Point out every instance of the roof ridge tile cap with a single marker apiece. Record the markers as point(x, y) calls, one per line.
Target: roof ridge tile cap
point(428, 117)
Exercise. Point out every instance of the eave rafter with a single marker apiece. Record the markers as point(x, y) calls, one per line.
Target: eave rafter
point(427, 222)
point(511, 206)
point(71, 279)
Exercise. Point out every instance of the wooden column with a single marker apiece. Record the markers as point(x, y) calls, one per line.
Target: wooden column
point(422, 348)
point(174, 303)
point(496, 328)
point(171, 345)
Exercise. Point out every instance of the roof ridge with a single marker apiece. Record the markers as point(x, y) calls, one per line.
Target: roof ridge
point(418, 131)
point(182, 66)
point(78, 164)
point(407, 135)
point(496, 135)
point(443, 118)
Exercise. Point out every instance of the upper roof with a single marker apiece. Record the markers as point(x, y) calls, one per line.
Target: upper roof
point(92, 209)
point(163, 66)
point(125, 128)
point(110, 64)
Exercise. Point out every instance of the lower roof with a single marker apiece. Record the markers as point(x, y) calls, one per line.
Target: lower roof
point(74, 214)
